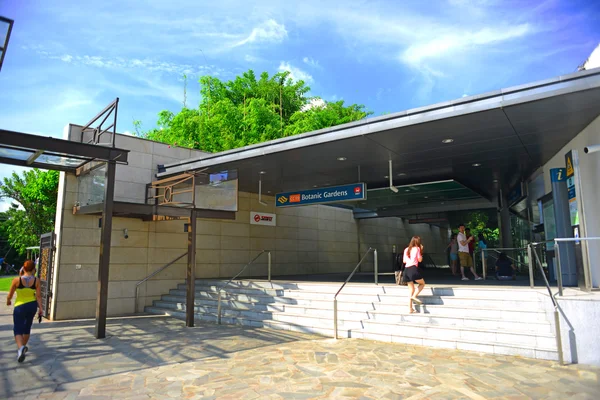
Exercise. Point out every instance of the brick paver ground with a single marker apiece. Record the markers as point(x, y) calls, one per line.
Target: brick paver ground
point(158, 358)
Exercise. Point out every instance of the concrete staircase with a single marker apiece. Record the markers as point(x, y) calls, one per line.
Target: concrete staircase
point(508, 321)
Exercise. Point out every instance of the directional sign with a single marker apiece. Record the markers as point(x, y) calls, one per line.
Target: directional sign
point(334, 194)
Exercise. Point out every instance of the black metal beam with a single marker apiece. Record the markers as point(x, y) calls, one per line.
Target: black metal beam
point(124, 209)
point(105, 238)
point(191, 271)
point(50, 144)
point(10, 23)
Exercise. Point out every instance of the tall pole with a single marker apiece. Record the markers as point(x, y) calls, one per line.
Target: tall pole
point(105, 238)
point(191, 271)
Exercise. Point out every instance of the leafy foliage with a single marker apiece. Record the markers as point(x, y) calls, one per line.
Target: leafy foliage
point(36, 192)
point(248, 110)
point(478, 222)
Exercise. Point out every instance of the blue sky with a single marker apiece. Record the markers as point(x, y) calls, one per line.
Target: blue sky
point(66, 60)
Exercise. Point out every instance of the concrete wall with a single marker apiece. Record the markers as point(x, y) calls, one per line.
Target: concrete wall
point(590, 192)
point(579, 326)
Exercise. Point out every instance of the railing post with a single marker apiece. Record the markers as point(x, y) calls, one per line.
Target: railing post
point(531, 264)
point(219, 309)
point(558, 338)
point(558, 268)
point(269, 265)
point(335, 325)
point(376, 266)
point(483, 264)
point(137, 291)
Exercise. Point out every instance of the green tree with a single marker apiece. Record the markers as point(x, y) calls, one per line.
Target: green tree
point(248, 110)
point(35, 191)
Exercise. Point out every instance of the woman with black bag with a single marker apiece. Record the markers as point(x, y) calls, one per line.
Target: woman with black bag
point(413, 255)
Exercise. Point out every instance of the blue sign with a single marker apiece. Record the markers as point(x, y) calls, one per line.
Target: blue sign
point(558, 174)
point(334, 194)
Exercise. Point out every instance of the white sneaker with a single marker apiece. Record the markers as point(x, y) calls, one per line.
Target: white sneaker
point(465, 279)
point(479, 278)
point(21, 354)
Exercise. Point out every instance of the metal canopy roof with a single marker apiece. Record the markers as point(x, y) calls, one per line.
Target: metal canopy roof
point(28, 150)
point(510, 133)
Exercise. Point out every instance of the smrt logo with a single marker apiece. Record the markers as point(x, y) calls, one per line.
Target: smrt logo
point(295, 198)
point(282, 199)
point(357, 190)
point(259, 218)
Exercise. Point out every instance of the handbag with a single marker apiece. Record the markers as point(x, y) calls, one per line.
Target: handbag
point(403, 281)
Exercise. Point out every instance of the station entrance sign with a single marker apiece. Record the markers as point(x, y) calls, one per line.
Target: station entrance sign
point(333, 194)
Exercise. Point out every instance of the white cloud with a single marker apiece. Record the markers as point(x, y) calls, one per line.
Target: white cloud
point(444, 45)
point(311, 62)
point(295, 73)
point(314, 103)
point(251, 59)
point(268, 31)
point(133, 64)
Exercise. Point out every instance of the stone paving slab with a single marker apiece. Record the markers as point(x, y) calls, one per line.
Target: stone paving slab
point(158, 358)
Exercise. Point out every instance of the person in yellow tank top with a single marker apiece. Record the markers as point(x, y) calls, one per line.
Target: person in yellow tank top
point(29, 299)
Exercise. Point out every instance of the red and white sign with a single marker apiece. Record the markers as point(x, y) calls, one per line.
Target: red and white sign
point(259, 218)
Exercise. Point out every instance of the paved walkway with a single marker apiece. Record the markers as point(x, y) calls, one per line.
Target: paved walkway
point(158, 358)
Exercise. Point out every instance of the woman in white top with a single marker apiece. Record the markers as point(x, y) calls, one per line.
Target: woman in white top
point(413, 255)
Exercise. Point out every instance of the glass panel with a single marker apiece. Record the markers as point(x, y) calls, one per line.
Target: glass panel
point(59, 160)
point(15, 154)
point(91, 187)
point(218, 191)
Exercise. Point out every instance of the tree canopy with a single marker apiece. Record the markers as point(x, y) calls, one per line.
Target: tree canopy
point(36, 192)
point(248, 110)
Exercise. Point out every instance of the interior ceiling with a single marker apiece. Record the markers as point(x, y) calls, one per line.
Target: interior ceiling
point(510, 141)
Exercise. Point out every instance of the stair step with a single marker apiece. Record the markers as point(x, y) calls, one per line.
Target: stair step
point(469, 306)
point(417, 325)
point(488, 320)
point(477, 293)
point(394, 298)
point(541, 346)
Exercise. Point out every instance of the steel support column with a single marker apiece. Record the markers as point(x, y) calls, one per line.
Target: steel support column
point(191, 271)
point(105, 238)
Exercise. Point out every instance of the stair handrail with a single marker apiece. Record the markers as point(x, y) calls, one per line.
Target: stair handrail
point(554, 303)
point(137, 285)
point(375, 262)
point(220, 288)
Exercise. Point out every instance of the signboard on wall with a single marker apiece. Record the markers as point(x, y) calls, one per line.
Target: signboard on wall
point(573, 211)
point(261, 218)
point(334, 194)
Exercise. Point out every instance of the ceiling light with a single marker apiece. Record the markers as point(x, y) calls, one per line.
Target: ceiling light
point(327, 184)
point(446, 141)
point(263, 172)
point(386, 177)
point(477, 165)
point(341, 158)
point(426, 197)
point(401, 174)
point(407, 190)
point(268, 191)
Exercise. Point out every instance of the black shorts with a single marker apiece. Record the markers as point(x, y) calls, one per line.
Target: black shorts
point(412, 274)
point(23, 317)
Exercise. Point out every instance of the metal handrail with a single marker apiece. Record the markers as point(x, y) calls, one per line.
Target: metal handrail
point(375, 262)
point(557, 258)
point(220, 288)
point(554, 303)
point(137, 285)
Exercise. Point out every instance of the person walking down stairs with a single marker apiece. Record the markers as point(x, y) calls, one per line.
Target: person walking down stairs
point(413, 255)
